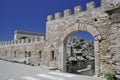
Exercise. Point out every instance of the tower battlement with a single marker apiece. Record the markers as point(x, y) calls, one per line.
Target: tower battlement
point(67, 12)
point(105, 5)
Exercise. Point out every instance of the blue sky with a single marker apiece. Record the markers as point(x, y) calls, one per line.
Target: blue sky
point(30, 15)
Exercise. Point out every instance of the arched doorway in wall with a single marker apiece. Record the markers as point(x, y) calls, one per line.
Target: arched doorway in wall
point(63, 51)
point(79, 50)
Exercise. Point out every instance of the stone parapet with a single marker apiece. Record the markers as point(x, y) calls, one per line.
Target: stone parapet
point(58, 15)
point(49, 17)
point(22, 41)
point(77, 9)
point(67, 12)
point(90, 6)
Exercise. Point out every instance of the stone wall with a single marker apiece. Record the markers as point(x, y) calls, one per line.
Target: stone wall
point(101, 22)
point(19, 50)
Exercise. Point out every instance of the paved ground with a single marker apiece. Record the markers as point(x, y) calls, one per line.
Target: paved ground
point(14, 71)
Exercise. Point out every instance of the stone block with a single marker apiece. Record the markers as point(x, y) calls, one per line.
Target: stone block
point(67, 12)
point(31, 40)
point(6, 43)
point(36, 39)
point(26, 40)
point(49, 17)
point(0, 43)
point(9, 43)
point(96, 46)
point(90, 6)
point(58, 15)
point(42, 38)
point(19, 41)
point(77, 9)
point(3, 43)
point(23, 40)
point(12, 42)
point(15, 42)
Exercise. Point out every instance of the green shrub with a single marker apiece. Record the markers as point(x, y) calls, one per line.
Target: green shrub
point(78, 47)
point(108, 76)
point(32, 64)
point(24, 62)
point(28, 64)
point(81, 40)
point(23, 37)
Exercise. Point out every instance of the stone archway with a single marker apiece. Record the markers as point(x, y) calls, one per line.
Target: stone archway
point(80, 27)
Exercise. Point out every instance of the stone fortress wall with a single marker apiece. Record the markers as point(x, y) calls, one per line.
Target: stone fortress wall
point(22, 50)
point(102, 22)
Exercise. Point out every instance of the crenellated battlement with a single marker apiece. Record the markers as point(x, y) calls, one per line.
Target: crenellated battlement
point(21, 41)
point(67, 12)
point(90, 6)
point(77, 9)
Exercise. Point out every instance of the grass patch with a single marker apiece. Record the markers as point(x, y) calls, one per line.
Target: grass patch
point(108, 76)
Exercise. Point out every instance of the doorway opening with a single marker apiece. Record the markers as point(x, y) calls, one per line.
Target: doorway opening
point(79, 53)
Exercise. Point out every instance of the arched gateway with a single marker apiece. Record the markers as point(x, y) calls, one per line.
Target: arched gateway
point(57, 40)
point(75, 28)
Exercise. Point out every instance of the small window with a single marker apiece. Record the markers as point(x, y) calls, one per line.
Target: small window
point(95, 19)
point(29, 54)
point(14, 53)
point(25, 53)
point(40, 54)
point(52, 55)
point(38, 64)
point(6, 53)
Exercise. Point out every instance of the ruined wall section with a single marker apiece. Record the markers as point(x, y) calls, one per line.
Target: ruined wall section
point(114, 48)
point(114, 39)
point(18, 50)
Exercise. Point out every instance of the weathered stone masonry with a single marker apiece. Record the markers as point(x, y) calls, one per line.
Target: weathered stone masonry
point(102, 22)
